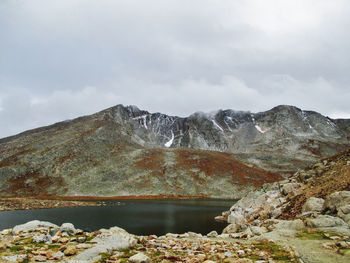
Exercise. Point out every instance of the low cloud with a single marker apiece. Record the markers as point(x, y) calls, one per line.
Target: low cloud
point(61, 59)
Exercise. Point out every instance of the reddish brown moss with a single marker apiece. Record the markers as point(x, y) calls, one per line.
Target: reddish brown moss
point(219, 164)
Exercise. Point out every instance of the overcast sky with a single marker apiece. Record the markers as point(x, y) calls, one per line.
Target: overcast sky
point(61, 59)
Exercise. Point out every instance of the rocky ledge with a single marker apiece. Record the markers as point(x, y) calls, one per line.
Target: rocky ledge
point(38, 241)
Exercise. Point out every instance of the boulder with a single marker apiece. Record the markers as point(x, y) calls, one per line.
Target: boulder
point(313, 204)
point(336, 200)
point(325, 221)
point(67, 228)
point(139, 258)
point(107, 240)
point(32, 225)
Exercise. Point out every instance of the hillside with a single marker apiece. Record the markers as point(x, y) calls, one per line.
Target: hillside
point(126, 151)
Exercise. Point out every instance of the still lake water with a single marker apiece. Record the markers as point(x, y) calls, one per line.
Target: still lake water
point(139, 217)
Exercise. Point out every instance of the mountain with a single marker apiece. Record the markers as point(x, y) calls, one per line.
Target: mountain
point(128, 151)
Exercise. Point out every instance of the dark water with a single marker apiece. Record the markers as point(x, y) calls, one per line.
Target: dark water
point(140, 217)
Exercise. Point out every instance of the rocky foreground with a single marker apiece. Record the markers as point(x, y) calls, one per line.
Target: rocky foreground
point(38, 241)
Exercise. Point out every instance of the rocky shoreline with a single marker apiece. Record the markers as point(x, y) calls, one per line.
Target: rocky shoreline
point(21, 203)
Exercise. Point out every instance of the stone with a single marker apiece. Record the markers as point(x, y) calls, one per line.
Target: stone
point(344, 209)
point(6, 232)
point(313, 204)
point(336, 200)
point(289, 188)
point(212, 234)
point(231, 228)
point(240, 253)
point(139, 258)
point(15, 258)
point(42, 239)
point(81, 239)
point(67, 228)
point(325, 221)
point(40, 258)
point(58, 255)
point(228, 254)
point(63, 240)
point(106, 240)
point(70, 250)
point(32, 225)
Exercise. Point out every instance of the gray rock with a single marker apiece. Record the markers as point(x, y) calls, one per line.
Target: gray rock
point(47, 239)
point(336, 200)
point(344, 209)
point(111, 239)
point(289, 188)
point(139, 258)
point(67, 228)
point(212, 234)
point(325, 221)
point(313, 204)
point(15, 258)
point(32, 225)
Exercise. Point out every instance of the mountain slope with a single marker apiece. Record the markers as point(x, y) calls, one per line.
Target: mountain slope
point(98, 156)
point(127, 151)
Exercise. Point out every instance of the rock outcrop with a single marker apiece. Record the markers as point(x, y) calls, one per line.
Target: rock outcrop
point(316, 197)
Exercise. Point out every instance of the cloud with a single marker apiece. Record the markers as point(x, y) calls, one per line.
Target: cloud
point(62, 58)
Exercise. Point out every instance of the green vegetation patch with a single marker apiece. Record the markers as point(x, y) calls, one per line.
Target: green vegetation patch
point(276, 251)
point(16, 248)
point(313, 234)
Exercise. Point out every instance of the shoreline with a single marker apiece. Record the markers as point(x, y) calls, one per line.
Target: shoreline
point(47, 202)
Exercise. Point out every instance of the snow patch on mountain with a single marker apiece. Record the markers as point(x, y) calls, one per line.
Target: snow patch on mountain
point(170, 142)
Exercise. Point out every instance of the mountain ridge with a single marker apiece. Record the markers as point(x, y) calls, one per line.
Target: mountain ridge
point(123, 150)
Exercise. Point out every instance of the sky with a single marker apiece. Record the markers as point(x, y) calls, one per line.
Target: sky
point(61, 59)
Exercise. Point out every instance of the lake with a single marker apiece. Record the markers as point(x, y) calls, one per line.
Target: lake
point(139, 217)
